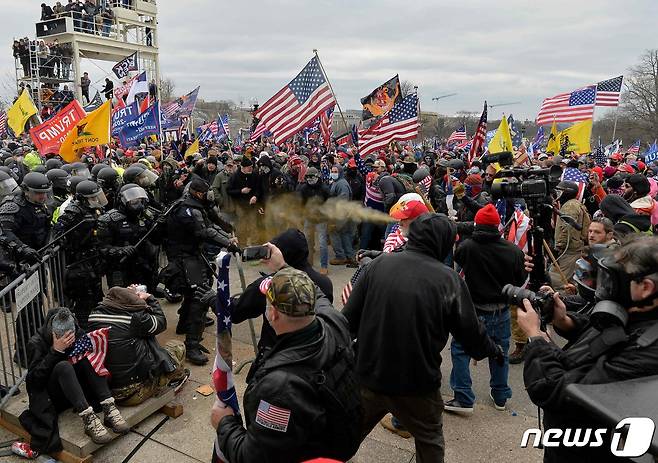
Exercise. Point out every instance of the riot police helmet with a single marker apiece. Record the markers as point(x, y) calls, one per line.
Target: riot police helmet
point(8, 184)
point(79, 169)
point(140, 175)
point(90, 193)
point(59, 178)
point(134, 198)
point(72, 183)
point(96, 169)
point(54, 164)
point(107, 178)
point(36, 187)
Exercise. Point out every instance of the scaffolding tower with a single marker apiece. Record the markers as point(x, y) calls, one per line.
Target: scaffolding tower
point(50, 65)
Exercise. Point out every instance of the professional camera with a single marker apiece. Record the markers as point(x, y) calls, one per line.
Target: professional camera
point(533, 185)
point(541, 301)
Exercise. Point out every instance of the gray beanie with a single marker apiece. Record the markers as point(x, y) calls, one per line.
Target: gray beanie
point(63, 322)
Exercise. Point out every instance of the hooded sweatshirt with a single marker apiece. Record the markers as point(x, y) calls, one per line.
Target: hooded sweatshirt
point(624, 216)
point(404, 307)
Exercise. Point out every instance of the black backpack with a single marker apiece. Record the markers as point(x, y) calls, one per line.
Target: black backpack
point(338, 390)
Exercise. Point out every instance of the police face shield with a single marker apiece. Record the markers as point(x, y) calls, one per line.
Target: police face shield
point(146, 178)
point(39, 197)
point(134, 199)
point(7, 187)
point(81, 172)
point(98, 201)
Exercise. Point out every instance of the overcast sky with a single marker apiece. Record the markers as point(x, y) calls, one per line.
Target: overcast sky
point(503, 51)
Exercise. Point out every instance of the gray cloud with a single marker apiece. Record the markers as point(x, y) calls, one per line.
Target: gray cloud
point(511, 50)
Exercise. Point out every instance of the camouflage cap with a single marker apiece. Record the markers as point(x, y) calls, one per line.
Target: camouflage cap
point(292, 292)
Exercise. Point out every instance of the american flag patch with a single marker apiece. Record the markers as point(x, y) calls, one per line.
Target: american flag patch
point(265, 285)
point(271, 417)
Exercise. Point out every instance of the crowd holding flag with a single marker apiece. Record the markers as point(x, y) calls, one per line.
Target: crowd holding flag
point(297, 104)
point(20, 112)
point(382, 99)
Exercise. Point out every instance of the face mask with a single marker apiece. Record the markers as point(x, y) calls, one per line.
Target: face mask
point(334, 175)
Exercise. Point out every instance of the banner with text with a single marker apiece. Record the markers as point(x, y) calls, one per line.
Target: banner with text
point(48, 137)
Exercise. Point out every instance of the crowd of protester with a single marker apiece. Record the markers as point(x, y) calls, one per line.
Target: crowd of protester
point(443, 255)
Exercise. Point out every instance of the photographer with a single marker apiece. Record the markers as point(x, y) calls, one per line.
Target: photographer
point(603, 345)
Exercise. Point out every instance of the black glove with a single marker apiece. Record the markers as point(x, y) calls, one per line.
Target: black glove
point(128, 251)
point(162, 219)
point(205, 295)
point(234, 248)
point(499, 357)
point(30, 255)
point(372, 254)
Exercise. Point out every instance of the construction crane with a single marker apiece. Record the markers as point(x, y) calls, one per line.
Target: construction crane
point(504, 104)
point(437, 98)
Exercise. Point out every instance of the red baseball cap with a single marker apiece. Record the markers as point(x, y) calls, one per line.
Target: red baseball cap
point(409, 206)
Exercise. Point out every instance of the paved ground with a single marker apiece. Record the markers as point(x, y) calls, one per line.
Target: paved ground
point(486, 436)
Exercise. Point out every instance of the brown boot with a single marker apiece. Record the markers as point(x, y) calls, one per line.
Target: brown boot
point(94, 428)
point(337, 261)
point(517, 356)
point(387, 423)
point(113, 417)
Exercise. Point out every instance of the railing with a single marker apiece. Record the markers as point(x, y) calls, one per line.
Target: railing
point(142, 34)
point(24, 303)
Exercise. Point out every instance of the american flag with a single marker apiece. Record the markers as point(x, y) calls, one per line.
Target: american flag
point(458, 135)
point(607, 92)
point(465, 145)
point(425, 184)
point(326, 125)
point(297, 104)
point(258, 131)
point(572, 174)
point(568, 107)
point(207, 131)
point(183, 105)
point(344, 139)
point(3, 124)
point(518, 232)
point(634, 148)
point(272, 417)
point(537, 141)
point(222, 128)
point(477, 144)
point(222, 374)
point(92, 346)
point(401, 123)
point(600, 157)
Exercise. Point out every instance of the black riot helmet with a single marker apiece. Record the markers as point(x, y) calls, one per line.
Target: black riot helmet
point(72, 183)
point(79, 169)
point(8, 185)
point(68, 168)
point(140, 175)
point(54, 164)
point(59, 178)
point(108, 178)
point(96, 169)
point(36, 187)
point(40, 168)
point(91, 194)
point(133, 199)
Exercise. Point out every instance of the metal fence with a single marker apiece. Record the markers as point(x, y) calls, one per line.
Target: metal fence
point(24, 303)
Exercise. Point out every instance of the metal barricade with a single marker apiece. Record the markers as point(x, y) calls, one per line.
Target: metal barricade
point(24, 303)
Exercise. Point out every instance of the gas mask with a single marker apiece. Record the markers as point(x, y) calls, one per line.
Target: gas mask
point(135, 207)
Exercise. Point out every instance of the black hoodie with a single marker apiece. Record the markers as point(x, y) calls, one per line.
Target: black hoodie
point(403, 309)
point(624, 216)
point(489, 263)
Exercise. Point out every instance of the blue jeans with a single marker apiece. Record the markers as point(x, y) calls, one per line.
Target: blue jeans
point(310, 230)
point(499, 328)
point(341, 240)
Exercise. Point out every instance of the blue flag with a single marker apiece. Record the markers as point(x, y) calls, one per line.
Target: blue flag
point(651, 154)
point(122, 116)
point(517, 136)
point(143, 125)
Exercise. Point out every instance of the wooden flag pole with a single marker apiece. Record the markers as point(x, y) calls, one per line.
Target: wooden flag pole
point(332, 90)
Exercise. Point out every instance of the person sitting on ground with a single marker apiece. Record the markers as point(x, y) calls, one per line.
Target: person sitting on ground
point(138, 364)
point(54, 384)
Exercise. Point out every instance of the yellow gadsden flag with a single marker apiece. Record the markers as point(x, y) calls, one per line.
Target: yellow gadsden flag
point(502, 140)
point(92, 130)
point(576, 138)
point(192, 149)
point(22, 109)
point(553, 145)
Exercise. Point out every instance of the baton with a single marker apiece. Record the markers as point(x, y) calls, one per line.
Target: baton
point(63, 235)
point(150, 230)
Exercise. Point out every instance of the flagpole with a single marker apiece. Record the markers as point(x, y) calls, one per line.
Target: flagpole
point(332, 89)
point(614, 127)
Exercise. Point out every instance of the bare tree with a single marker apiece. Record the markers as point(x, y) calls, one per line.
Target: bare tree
point(407, 87)
point(167, 87)
point(640, 100)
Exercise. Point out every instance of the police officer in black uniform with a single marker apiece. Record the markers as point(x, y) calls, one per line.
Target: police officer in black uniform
point(188, 229)
point(119, 230)
point(108, 179)
point(59, 179)
point(25, 221)
point(82, 279)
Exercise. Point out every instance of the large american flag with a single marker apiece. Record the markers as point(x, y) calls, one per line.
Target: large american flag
point(572, 174)
point(607, 92)
point(222, 374)
point(568, 107)
point(92, 346)
point(477, 144)
point(458, 135)
point(401, 123)
point(297, 104)
point(258, 131)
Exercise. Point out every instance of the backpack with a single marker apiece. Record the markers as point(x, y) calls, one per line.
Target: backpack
point(407, 182)
point(337, 388)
